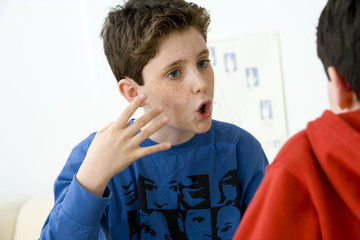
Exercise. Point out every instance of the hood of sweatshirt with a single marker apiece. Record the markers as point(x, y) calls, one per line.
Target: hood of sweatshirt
point(335, 140)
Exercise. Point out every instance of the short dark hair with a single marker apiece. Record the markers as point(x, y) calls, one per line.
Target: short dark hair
point(131, 32)
point(338, 40)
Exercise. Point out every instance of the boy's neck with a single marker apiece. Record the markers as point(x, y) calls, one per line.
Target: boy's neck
point(172, 135)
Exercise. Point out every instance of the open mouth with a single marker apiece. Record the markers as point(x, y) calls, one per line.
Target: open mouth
point(204, 110)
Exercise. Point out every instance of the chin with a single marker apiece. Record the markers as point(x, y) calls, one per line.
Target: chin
point(204, 126)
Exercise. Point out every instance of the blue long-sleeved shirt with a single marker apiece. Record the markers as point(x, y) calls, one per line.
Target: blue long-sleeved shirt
point(196, 190)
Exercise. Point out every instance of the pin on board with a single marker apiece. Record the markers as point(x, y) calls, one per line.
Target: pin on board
point(249, 90)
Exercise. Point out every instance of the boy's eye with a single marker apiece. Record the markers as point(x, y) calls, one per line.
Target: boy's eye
point(203, 63)
point(174, 74)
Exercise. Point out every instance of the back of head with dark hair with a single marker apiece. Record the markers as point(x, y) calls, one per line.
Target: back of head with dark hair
point(338, 40)
point(131, 32)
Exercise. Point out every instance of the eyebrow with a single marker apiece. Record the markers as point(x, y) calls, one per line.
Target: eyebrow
point(149, 180)
point(205, 51)
point(128, 186)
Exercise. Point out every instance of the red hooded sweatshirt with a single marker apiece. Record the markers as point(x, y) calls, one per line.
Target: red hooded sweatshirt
point(312, 189)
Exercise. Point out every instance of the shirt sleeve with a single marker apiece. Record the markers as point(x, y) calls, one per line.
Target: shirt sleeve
point(252, 163)
point(280, 209)
point(77, 213)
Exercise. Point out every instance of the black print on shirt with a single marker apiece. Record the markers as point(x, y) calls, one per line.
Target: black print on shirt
point(157, 195)
point(229, 189)
point(150, 227)
point(194, 192)
point(130, 193)
point(225, 220)
point(134, 228)
point(182, 209)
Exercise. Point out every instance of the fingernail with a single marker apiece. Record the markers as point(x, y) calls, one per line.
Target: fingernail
point(164, 120)
point(142, 97)
point(159, 109)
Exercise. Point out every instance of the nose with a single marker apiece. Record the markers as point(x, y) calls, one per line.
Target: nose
point(161, 205)
point(199, 82)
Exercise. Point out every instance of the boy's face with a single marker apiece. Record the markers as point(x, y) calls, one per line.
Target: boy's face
point(180, 78)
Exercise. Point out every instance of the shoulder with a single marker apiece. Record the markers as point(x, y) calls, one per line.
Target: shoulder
point(230, 136)
point(85, 144)
point(295, 155)
point(297, 145)
point(73, 163)
point(225, 131)
point(80, 150)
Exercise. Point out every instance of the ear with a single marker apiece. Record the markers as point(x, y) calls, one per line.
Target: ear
point(344, 97)
point(128, 88)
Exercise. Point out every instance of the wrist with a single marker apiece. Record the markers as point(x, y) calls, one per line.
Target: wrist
point(92, 181)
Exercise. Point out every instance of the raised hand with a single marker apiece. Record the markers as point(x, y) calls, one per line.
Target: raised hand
point(116, 146)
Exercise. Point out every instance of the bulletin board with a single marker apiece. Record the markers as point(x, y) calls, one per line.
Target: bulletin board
point(249, 89)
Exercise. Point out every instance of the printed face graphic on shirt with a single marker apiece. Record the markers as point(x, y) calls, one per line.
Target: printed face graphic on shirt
point(133, 225)
point(157, 194)
point(229, 188)
point(196, 223)
point(129, 193)
point(194, 192)
point(153, 226)
point(227, 220)
point(161, 203)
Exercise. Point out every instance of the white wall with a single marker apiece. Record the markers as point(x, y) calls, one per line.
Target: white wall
point(56, 86)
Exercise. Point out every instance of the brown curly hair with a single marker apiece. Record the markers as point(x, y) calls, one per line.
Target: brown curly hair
point(131, 32)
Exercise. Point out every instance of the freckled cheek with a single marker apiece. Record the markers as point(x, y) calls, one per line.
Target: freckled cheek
point(211, 88)
point(211, 83)
point(174, 101)
point(171, 94)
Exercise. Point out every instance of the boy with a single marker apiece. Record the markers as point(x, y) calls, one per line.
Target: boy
point(157, 177)
point(311, 190)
